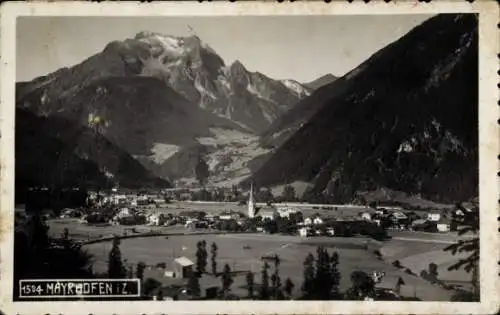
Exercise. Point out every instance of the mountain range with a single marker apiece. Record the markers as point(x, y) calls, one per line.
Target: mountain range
point(404, 120)
point(166, 101)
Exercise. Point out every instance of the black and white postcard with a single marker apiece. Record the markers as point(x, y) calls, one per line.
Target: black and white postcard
point(253, 157)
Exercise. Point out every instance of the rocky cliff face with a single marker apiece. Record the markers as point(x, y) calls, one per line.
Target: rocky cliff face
point(405, 119)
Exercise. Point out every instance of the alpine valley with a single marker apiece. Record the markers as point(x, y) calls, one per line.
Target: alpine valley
point(403, 123)
point(166, 101)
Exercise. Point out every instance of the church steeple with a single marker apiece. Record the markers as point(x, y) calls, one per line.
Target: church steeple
point(251, 204)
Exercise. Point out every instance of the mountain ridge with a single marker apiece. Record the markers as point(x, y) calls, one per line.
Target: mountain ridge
point(156, 95)
point(321, 81)
point(54, 152)
point(360, 138)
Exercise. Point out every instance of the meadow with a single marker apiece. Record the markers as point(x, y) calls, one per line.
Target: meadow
point(243, 252)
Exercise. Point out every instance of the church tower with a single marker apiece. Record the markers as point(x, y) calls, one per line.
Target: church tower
point(251, 203)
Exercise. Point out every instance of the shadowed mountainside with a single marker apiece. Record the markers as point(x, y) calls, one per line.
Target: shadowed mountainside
point(405, 119)
point(54, 152)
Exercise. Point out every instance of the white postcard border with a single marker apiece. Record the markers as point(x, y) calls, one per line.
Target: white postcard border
point(488, 135)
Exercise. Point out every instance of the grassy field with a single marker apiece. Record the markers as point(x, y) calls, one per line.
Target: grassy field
point(292, 251)
point(216, 208)
point(418, 255)
point(79, 231)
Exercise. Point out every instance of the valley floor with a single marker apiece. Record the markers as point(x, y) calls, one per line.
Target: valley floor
point(243, 252)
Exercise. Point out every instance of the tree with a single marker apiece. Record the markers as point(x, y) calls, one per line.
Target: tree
point(250, 283)
point(213, 250)
point(288, 288)
point(201, 257)
point(470, 224)
point(202, 171)
point(400, 282)
point(335, 276)
point(309, 279)
point(150, 285)
point(116, 269)
point(226, 279)
point(265, 195)
point(130, 272)
point(433, 272)
point(194, 285)
point(275, 278)
point(362, 286)
point(37, 254)
point(322, 279)
point(160, 296)
point(235, 192)
point(66, 234)
point(139, 272)
point(264, 285)
point(289, 193)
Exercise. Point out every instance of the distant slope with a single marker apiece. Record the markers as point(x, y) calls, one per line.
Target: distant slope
point(319, 82)
point(406, 119)
point(56, 152)
point(291, 121)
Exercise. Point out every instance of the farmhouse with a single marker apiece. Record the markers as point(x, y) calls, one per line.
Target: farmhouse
point(267, 214)
point(304, 231)
point(285, 212)
point(154, 219)
point(434, 216)
point(183, 267)
point(366, 216)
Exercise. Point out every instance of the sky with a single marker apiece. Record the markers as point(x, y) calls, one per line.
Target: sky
point(302, 48)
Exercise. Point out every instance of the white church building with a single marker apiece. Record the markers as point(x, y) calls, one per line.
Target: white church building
point(251, 203)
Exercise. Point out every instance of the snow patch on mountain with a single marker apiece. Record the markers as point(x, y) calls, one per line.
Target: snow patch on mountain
point(203, 91)
point(172, 46)
point(296, 87)
point(224, 82)
point(251, 88)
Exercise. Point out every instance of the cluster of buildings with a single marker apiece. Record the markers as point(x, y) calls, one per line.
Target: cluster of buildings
point(127, 205)
point(114, 198)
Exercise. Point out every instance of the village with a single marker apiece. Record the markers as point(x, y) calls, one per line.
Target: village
point(163, 235)
point(291, 218)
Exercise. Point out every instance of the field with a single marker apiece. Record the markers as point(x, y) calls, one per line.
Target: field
point(215, 208)
point(414, 250)
point(292, 251)
point(417, 255)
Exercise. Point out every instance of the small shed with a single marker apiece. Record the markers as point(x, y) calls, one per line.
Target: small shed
point(183, 267)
